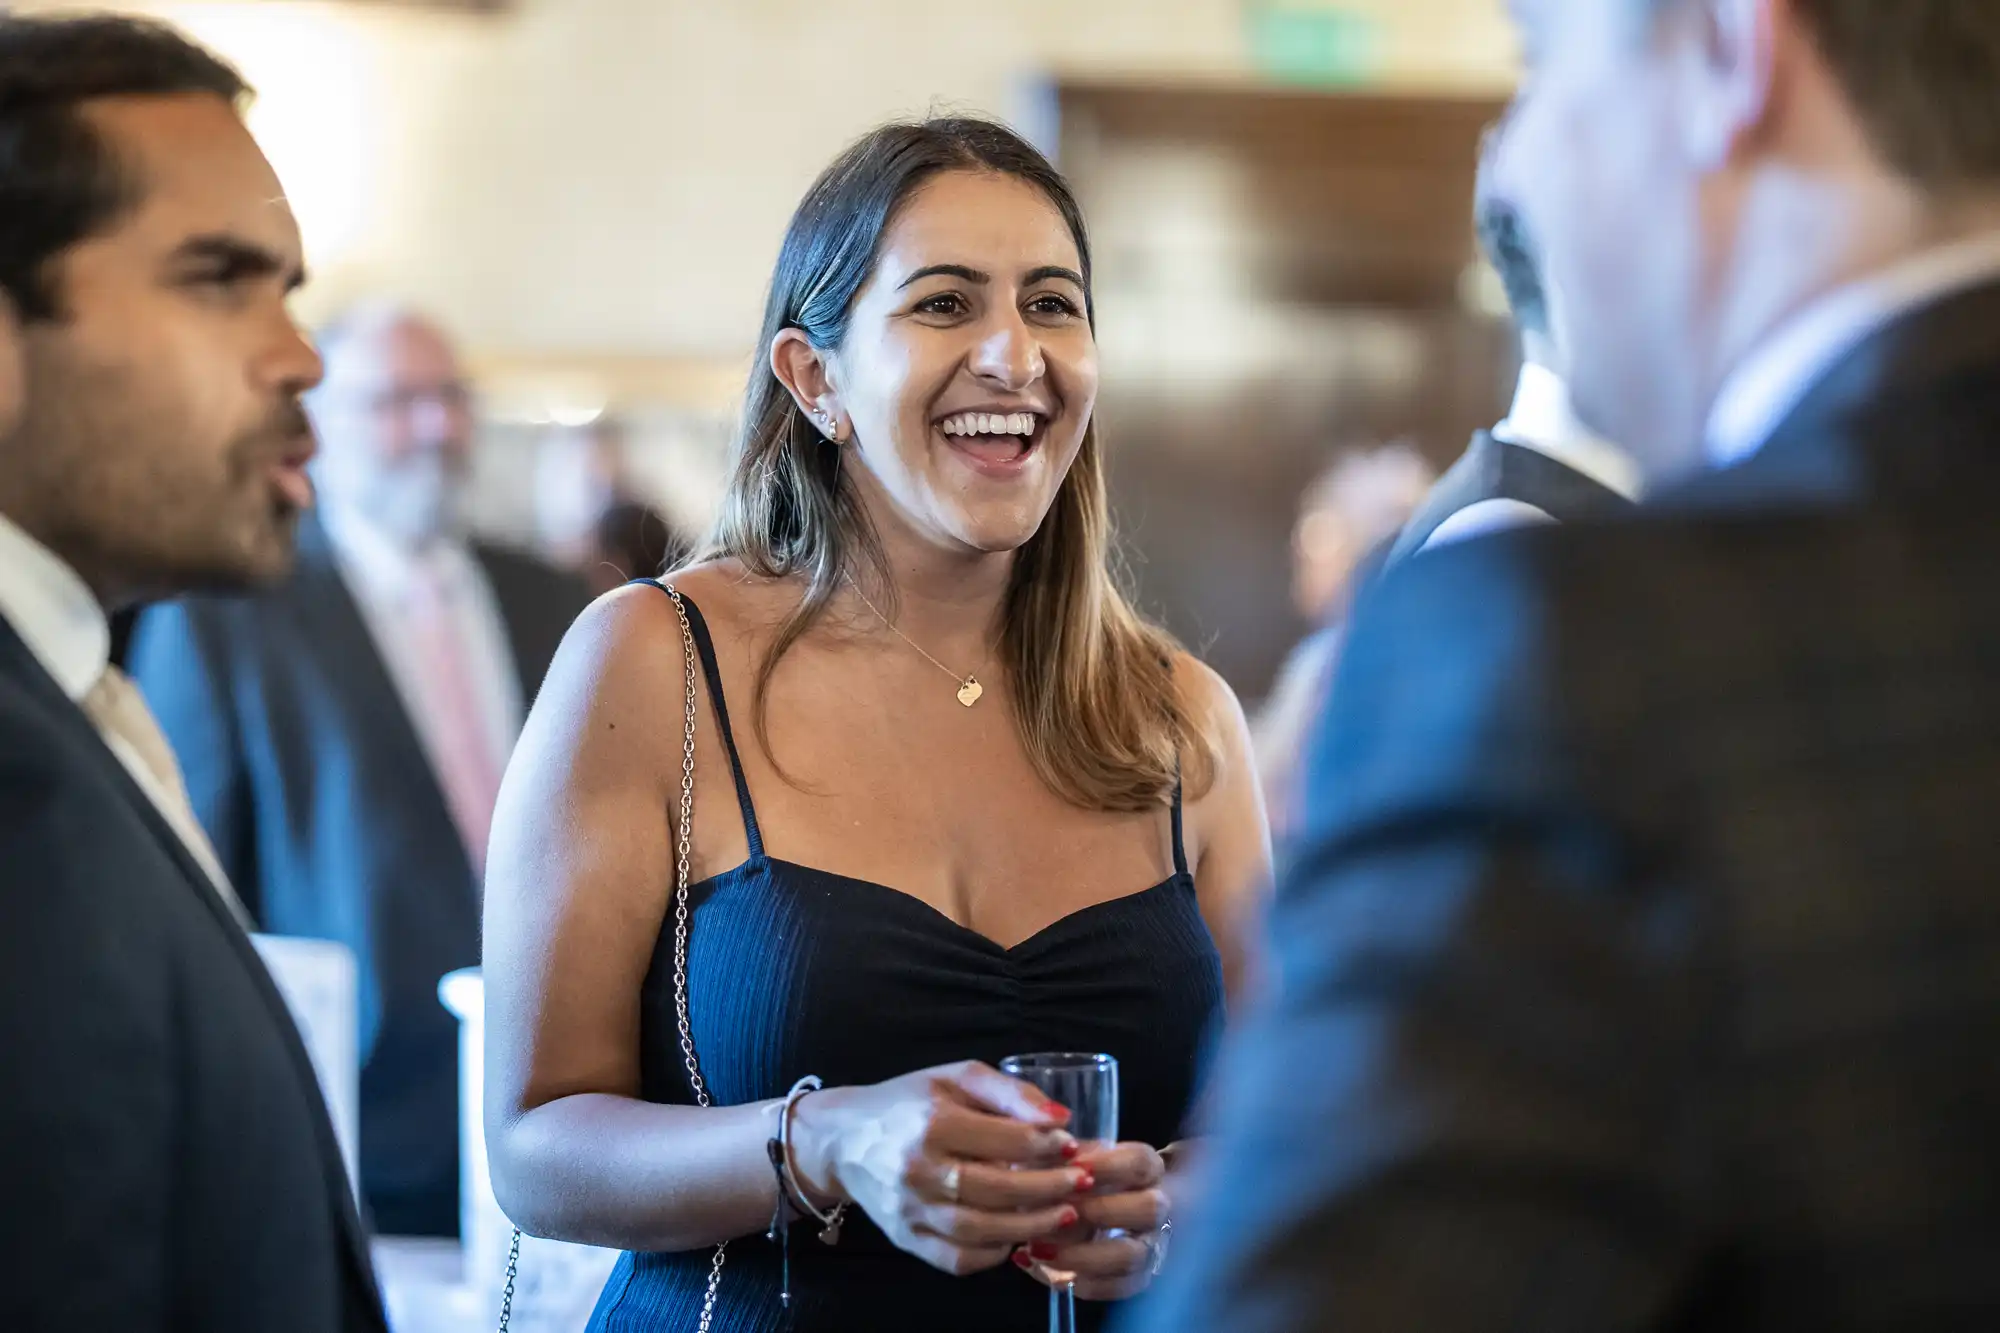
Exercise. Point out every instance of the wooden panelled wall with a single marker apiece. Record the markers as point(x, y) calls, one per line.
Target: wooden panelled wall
point(1280, 277)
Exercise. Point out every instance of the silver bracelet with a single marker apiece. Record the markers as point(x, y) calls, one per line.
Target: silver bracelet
point(788, 1180)
point(791, 1195)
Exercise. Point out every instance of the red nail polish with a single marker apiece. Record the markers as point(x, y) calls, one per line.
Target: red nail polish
point(1068, 1219)
point(1043, 1250)
point(1072, 1150)
point(1085, 1182)
point(1021, 1259)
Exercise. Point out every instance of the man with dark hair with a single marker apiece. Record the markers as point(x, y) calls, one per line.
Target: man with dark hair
point(165, 1154)
point(1639, 967)
point(1540, 465)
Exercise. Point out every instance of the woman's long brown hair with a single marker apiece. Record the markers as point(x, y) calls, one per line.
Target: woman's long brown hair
point(1095, 695)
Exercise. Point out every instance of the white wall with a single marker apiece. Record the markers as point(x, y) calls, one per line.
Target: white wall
point(590, 177)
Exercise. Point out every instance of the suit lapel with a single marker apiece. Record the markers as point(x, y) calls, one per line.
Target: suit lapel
point(499, 578)
point(1474, 477)
point(88, 742)
point(69, 716)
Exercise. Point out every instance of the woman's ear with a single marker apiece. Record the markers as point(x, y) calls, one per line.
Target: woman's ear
point(807, 374)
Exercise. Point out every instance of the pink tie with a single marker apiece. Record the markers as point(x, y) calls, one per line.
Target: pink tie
point(467, 770)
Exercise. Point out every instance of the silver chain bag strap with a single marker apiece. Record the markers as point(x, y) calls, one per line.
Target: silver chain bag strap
point(684, 844)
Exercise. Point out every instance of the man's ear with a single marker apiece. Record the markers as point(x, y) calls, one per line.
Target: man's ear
point(808, 375)
point(1731, 61)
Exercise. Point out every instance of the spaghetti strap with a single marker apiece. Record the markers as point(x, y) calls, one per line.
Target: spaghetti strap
point(705, 648)
point(1180, 846)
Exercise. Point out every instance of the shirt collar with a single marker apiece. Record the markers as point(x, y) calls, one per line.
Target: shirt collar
point(1774, 379)
point(388, 567)
point(53, 611)
point(1542, 419)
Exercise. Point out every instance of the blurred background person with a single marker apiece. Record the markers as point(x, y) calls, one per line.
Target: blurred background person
point(165, 1153)
point(1347, 523)
point(345, 734)
point(588, 514)
point(1541, 464)
point(633, 540)
point(579, 474)
point(1640, 956)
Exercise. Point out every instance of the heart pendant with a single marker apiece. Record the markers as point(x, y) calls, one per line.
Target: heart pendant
point(968, 693)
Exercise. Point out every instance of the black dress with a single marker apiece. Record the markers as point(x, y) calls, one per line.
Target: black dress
point(794, 971)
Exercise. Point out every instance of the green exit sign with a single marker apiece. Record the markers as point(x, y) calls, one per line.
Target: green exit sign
point(1296, 41)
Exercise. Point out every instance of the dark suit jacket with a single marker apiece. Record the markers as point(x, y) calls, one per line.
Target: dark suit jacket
point(166, 1162)
point(1496, 469)
point(1640, 968)
point(304, 767)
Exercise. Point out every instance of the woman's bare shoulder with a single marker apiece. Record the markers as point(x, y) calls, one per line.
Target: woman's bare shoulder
point(1209, 699)
point(1217, 718)
point(626, 650)
point(635, 620)
point(615, 659)
point(737, 605)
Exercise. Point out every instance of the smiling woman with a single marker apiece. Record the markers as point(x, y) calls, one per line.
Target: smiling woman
point(941, 225)
point(971, 758)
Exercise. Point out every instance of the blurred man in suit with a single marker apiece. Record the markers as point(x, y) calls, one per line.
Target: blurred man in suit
point(344, 734)
point(1541, 464)
point(165, 1156)
point(1640, 967)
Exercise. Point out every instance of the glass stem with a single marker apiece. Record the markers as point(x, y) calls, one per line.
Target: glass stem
point(1062, 1309)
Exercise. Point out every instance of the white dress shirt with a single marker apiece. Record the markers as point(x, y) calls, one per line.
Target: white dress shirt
point(1775, 377)
point(383, 575)
point(59, 618)
point(1542, 419)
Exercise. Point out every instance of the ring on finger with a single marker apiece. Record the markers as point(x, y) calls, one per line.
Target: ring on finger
point(1156, 1243)
point(950, 1184)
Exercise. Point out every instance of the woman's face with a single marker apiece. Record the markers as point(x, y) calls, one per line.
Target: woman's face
point(969, 371)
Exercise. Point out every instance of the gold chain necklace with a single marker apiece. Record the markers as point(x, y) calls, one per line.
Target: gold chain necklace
point(969, 688)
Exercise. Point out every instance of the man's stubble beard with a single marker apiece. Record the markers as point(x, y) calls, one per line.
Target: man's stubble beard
point(111, 490)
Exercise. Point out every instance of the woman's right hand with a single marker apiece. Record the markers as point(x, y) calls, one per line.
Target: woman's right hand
point(896, 1149)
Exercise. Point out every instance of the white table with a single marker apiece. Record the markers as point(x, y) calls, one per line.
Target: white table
point(423, 1286)
point(559, 1283)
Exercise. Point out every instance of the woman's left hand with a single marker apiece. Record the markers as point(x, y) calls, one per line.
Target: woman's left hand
point(1130, 1197)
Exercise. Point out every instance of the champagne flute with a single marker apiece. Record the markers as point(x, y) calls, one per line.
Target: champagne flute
point(1087, 1085)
